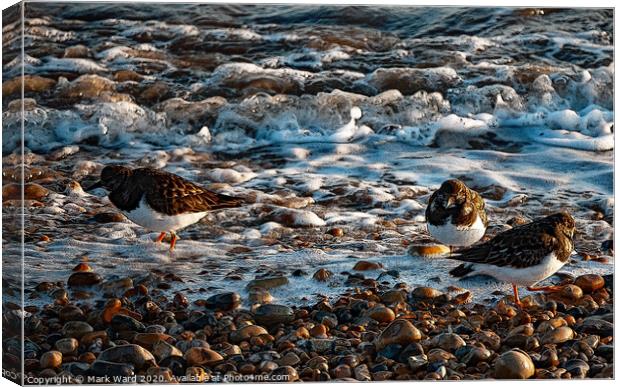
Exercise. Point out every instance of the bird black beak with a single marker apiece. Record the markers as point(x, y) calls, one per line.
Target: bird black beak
point(98, 184)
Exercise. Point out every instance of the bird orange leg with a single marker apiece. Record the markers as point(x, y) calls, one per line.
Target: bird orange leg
point(554, 288)
point(160, 237)
point(516, 293)
point(173, 242)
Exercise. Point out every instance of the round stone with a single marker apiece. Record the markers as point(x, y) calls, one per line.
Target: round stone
point(128, 353)
point(572, 292)
point(200, 356)
point(268, 283)
point(590, 283)
point(398, 332)
point(448, 341)
point(121, 322)
point(322, 275)
point(558, 335)
point(163, 349)
point(393, 296)
point(381, 314)
point(84, 278)
point(272, 314)
point(284, 374)
point(367, 265)
point(67, 346)
point(51, 359)
point(71, 313)
point(224, 301)
point(514, 364)
point(258, 295)
point(429, 250)
point(425, 293)
point(76, 329)
point(246, 333)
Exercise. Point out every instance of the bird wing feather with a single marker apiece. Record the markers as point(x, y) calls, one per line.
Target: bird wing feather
point(520, 247)
point(173, 195)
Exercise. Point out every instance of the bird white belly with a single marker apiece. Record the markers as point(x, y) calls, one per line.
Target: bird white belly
point(152, 220)
point(526, 276)
point(453, 235)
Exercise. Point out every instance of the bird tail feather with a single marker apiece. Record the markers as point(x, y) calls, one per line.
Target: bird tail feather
point(462, 270)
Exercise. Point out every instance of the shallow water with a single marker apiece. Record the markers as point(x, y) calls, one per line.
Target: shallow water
point(264, 102)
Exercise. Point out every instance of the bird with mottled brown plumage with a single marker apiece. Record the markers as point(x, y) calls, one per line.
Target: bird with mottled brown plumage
point(158, 200)
point(455, 214)
point(524, 255)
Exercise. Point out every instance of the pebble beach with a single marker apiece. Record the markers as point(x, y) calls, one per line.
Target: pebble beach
point(335, 125)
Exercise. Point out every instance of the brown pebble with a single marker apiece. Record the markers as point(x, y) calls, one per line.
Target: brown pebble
point(398, 332)
point(87, 357)
point(590, 283)
point(32, 191)
point(200, 356)
point(342, 371)
point(246, 333)
point(322, 275)
point(82, 266)
point(366, 265)
point(572, 292)
point(336, 232)
point(319, 330)
point(429, 250)
point(51, 359)
point(514, 364)
point(558, 335)
point(381, 314)
point(425, 293)
point(84, 278)
point(196, 375)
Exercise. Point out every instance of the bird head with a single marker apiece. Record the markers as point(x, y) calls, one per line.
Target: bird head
point(451, 193)
point(112, 177)
point(563, 223)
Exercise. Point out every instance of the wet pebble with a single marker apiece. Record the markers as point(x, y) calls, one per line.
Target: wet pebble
point(76, 329)
point(572, 292)
point(514, 364)
point(224, 301)
point(162, 350)
point(284, 374)
point(425, 293)
point(367, 265)
point(110, 369)
point(448, 341)
point(67, 346)
point(558, 335)
point(398, 332)
point(128, 353)
point(84, 278)
point(381, 314)
point(322, 275)
point(268, 283)
point(258, 295)
point(271, 314)
point(246, 333)
point(429, 250)
point(199, 356)
point(51, 359)
point(590, 283)
point(120, 323)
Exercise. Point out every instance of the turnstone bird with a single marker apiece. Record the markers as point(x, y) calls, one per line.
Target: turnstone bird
point(455, 214)
point(524, 255)
point(159, 200)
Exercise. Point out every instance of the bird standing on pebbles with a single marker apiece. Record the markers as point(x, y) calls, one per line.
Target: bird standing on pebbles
point(524, 255)
point(159, 200)
point(455, 214)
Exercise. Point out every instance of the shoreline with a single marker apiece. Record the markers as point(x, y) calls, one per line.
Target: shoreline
point(142, 333)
